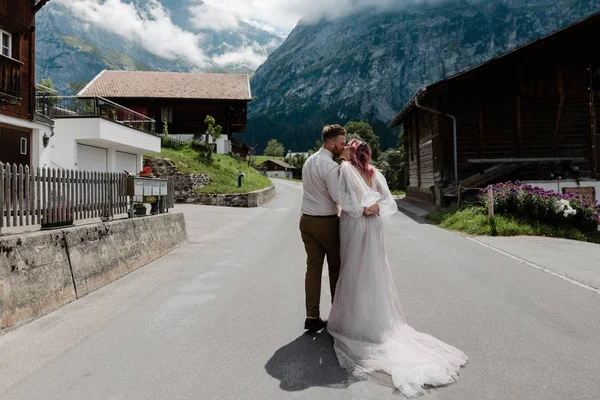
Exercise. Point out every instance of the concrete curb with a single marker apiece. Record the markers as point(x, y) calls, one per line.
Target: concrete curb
point(42, 271)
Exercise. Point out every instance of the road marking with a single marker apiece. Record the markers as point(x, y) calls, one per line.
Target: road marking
point(536, 266)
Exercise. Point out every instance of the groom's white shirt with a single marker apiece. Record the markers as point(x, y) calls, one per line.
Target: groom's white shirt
point(320, 179)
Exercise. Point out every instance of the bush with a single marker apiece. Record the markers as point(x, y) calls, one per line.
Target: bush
point(167, 142)
point(544, 206)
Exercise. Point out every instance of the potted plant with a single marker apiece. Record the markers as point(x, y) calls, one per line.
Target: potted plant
point(153, 204)
point(146, 172)
point(139, 209)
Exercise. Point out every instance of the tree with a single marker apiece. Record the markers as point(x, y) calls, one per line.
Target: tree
point(317, 146)
point(46, 99)
point(274, 149)
point(363, 131)
point(213, 131)
point(76, 87)
point(47, 83)
point(391, 164)
point(297, 161)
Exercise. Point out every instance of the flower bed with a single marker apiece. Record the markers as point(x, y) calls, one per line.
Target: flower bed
point(543, 206)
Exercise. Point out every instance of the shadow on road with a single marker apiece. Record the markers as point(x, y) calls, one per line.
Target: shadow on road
point(307, 362)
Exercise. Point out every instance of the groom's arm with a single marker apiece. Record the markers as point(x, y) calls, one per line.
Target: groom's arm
point(332, 181)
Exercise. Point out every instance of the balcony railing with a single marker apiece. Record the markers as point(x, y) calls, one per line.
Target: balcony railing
point(55, 107)
point(10, 80)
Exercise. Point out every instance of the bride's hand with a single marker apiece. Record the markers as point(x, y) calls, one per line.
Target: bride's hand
point(373, 210)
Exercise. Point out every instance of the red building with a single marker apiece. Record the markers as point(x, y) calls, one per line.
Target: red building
point(21, 130)
point(182, 100)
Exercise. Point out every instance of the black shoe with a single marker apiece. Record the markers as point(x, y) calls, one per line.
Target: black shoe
point(314, 324)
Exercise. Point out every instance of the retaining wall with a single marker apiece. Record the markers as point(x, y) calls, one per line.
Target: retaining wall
point(42, 271)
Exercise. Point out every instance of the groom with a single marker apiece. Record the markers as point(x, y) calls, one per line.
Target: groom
point(320, 223)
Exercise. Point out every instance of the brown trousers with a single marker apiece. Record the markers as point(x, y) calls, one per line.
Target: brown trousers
point(321, 237)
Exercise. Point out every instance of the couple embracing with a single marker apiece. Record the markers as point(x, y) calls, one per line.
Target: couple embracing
point(371, 336)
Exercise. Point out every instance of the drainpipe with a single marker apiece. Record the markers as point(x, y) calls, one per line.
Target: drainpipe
point(454, 136)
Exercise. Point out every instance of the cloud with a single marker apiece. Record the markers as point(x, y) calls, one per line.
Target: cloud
point(282, 15)
point(151, 27)
point(250, 56)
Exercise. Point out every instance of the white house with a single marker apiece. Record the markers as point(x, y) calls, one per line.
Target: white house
point(277, 169)
point(180, 102)
point(94, 134)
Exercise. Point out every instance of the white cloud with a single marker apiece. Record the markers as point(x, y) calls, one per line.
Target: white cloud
point(152, 27)
point(282, 14)
point(251, 56)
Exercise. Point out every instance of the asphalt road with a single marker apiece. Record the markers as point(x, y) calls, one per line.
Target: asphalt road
point(221, 318)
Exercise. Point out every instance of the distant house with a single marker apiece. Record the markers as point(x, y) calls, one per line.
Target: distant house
point(239, 147)
point(21, 129)
point(530, 114)
point(181, 100)
point(277, 169)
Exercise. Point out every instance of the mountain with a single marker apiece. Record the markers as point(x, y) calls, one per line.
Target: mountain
point(367, 66)
point(71, 48)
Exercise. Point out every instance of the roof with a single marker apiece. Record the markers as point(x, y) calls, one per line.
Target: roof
point(172, 85)
point(421, 93)
point(280, 163)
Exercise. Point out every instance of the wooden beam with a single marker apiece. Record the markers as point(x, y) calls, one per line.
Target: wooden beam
point(481, 130)
point(519, 127)
point(418, 147)
point(523, 160)
point(38, 6)
point(593, 142)
point(561, 104)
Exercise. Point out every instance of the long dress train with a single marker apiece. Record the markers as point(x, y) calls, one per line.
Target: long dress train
point(366, 320)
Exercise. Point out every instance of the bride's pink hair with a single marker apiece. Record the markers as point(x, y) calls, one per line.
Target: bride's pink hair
point(360, 157)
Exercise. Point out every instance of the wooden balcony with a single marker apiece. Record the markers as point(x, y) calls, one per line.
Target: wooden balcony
point(10, 81)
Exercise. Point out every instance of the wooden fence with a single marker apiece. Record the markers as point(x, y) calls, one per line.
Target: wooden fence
point(51, 196)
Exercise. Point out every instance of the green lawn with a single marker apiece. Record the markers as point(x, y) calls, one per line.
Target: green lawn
point(223, 171)
point(398, 192)
point(474, 221)
point(261, 159)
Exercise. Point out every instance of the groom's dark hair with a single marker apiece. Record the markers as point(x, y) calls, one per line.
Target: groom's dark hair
point(332, 131)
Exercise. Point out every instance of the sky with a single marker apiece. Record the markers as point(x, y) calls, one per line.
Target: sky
point(153, 27)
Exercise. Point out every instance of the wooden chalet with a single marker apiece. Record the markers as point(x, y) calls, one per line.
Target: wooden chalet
point(19, 125)
point(530, 114)
point(182, 100)
point(278, 169)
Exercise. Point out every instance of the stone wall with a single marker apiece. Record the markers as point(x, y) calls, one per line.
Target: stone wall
point(35, 277)
point(251, 199)
point(185, 184)
point(42, 271)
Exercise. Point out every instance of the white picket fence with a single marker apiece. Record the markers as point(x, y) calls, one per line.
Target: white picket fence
point(46, 196)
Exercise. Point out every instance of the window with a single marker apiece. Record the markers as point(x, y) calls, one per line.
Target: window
point(166, 113)
point(23, 146)
point(6, 43)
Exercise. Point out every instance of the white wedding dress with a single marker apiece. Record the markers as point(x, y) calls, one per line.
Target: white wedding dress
point(370, 331)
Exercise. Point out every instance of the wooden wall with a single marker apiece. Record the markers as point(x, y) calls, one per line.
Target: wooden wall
point(16, 17)
point(545, 116)
point(189, 115)
point(10, 145)
point(533, 103)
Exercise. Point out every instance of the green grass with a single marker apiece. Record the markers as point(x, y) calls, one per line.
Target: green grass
point(261, 159)
point(474, 221)
point(223, 171)
point(398, 192)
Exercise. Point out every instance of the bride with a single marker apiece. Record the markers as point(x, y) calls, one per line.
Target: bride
point(370, 331)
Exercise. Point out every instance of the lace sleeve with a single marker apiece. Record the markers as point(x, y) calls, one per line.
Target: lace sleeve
point(353, 193)
point(387, 203)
